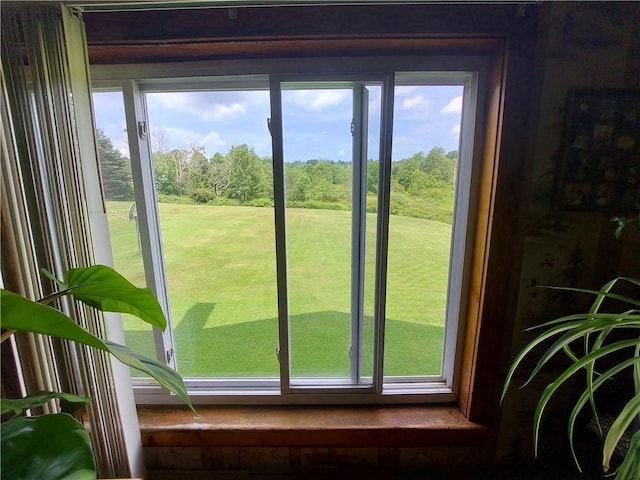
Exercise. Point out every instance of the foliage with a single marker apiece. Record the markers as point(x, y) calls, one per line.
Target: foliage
point(623, 222)
point(601, 345)
point(225, 317)
point(57, 445)
point(423, 184)
point(117, 181)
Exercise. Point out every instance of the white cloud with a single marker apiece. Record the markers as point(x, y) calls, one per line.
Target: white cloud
point(455, 131)
point(418, 101)
point(207, 107)
point(341, 152)
point(454, 106)
point(317, 100)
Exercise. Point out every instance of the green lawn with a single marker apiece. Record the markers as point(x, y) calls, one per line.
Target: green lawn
point(220, 264)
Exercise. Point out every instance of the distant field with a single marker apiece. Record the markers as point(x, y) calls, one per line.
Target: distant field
point(220, 264)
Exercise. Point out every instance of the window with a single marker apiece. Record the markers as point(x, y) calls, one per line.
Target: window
point(307, 233)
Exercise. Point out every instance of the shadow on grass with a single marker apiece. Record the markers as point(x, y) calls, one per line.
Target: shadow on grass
point(319, 346)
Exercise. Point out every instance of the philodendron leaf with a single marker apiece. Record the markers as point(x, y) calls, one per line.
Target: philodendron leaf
point(68, 402)
point(105, 289)
point(19, 313)
point(47, 447)
point(164, 375)
point(22, 314)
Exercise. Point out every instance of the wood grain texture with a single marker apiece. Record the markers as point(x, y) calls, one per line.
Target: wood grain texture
point(364, 426)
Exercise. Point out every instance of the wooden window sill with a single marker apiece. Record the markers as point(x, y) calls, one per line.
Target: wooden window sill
point(311, 426)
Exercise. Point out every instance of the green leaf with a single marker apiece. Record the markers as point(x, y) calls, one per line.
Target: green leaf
point(164, 375)
point(631, 463)
point(540, 339)
point(22, 314)
point(19, 313)
point(617, 429)
point(604, 293)
point(584, 398)
point(53, 278)
point(68, 402)
point(47, 447)
point(573, 368)
point(106, 290)
point(585, 328)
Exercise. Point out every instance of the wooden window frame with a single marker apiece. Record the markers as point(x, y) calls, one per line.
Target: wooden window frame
point(503, 34)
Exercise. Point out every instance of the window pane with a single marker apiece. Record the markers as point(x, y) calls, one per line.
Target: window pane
point(213, 179)
point(117, 184)
point(425, 152)
point(330, 238)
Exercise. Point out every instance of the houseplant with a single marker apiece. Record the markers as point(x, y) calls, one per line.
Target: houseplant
point(600, 345)
point(57, 445)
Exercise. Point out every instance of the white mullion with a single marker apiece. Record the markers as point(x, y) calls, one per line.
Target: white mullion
point(459, 256)
point(147, 210)
point(382, 232)
point(280, 231)
point(358, 232)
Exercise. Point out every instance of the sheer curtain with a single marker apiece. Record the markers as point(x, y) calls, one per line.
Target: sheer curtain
point(52, 211)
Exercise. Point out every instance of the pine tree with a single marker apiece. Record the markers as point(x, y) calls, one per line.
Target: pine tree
point(115, 169)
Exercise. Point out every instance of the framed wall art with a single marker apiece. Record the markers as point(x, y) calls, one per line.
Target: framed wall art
point(600, 151)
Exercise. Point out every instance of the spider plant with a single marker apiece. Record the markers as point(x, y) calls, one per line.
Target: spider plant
point(588, 341)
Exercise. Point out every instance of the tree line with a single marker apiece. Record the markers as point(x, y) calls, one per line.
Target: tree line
point(421, 186)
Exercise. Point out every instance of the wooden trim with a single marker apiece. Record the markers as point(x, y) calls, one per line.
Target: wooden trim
point(295, 47)
point(305, 32)
point(498, 260)
point(490, 133)
point(379, 426)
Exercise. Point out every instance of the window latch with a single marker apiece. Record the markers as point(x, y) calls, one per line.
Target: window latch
point(278, 353)
point(269, 126)
point(142, 130)
point(350, 351)
point(353, 127)
point(169, 354)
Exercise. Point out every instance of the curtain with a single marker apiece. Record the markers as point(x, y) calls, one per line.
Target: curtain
point(49, 158)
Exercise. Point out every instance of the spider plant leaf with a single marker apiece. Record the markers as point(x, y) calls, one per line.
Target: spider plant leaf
point(555, 330)
point(617, 429)
point(564, 376)
point(631, 464)
point(588, 392)
point(574, 319)
point(636, 373)
point(577, 332)
point(540, 339)
point(569, 353)
point(614, 296)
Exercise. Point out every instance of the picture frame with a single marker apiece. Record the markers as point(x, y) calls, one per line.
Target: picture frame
point(600, 151)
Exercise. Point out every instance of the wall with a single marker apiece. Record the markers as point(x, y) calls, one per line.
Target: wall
point(582, 44)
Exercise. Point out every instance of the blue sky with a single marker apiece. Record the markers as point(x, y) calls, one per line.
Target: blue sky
point(317, 122)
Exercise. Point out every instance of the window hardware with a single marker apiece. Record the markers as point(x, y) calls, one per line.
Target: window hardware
point(142, 130)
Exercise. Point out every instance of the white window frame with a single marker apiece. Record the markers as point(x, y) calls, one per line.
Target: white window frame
point(468, 71)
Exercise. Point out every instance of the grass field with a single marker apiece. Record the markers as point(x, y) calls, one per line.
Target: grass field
point(220, 264)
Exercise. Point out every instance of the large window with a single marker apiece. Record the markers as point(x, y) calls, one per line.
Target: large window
point(307, 234)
